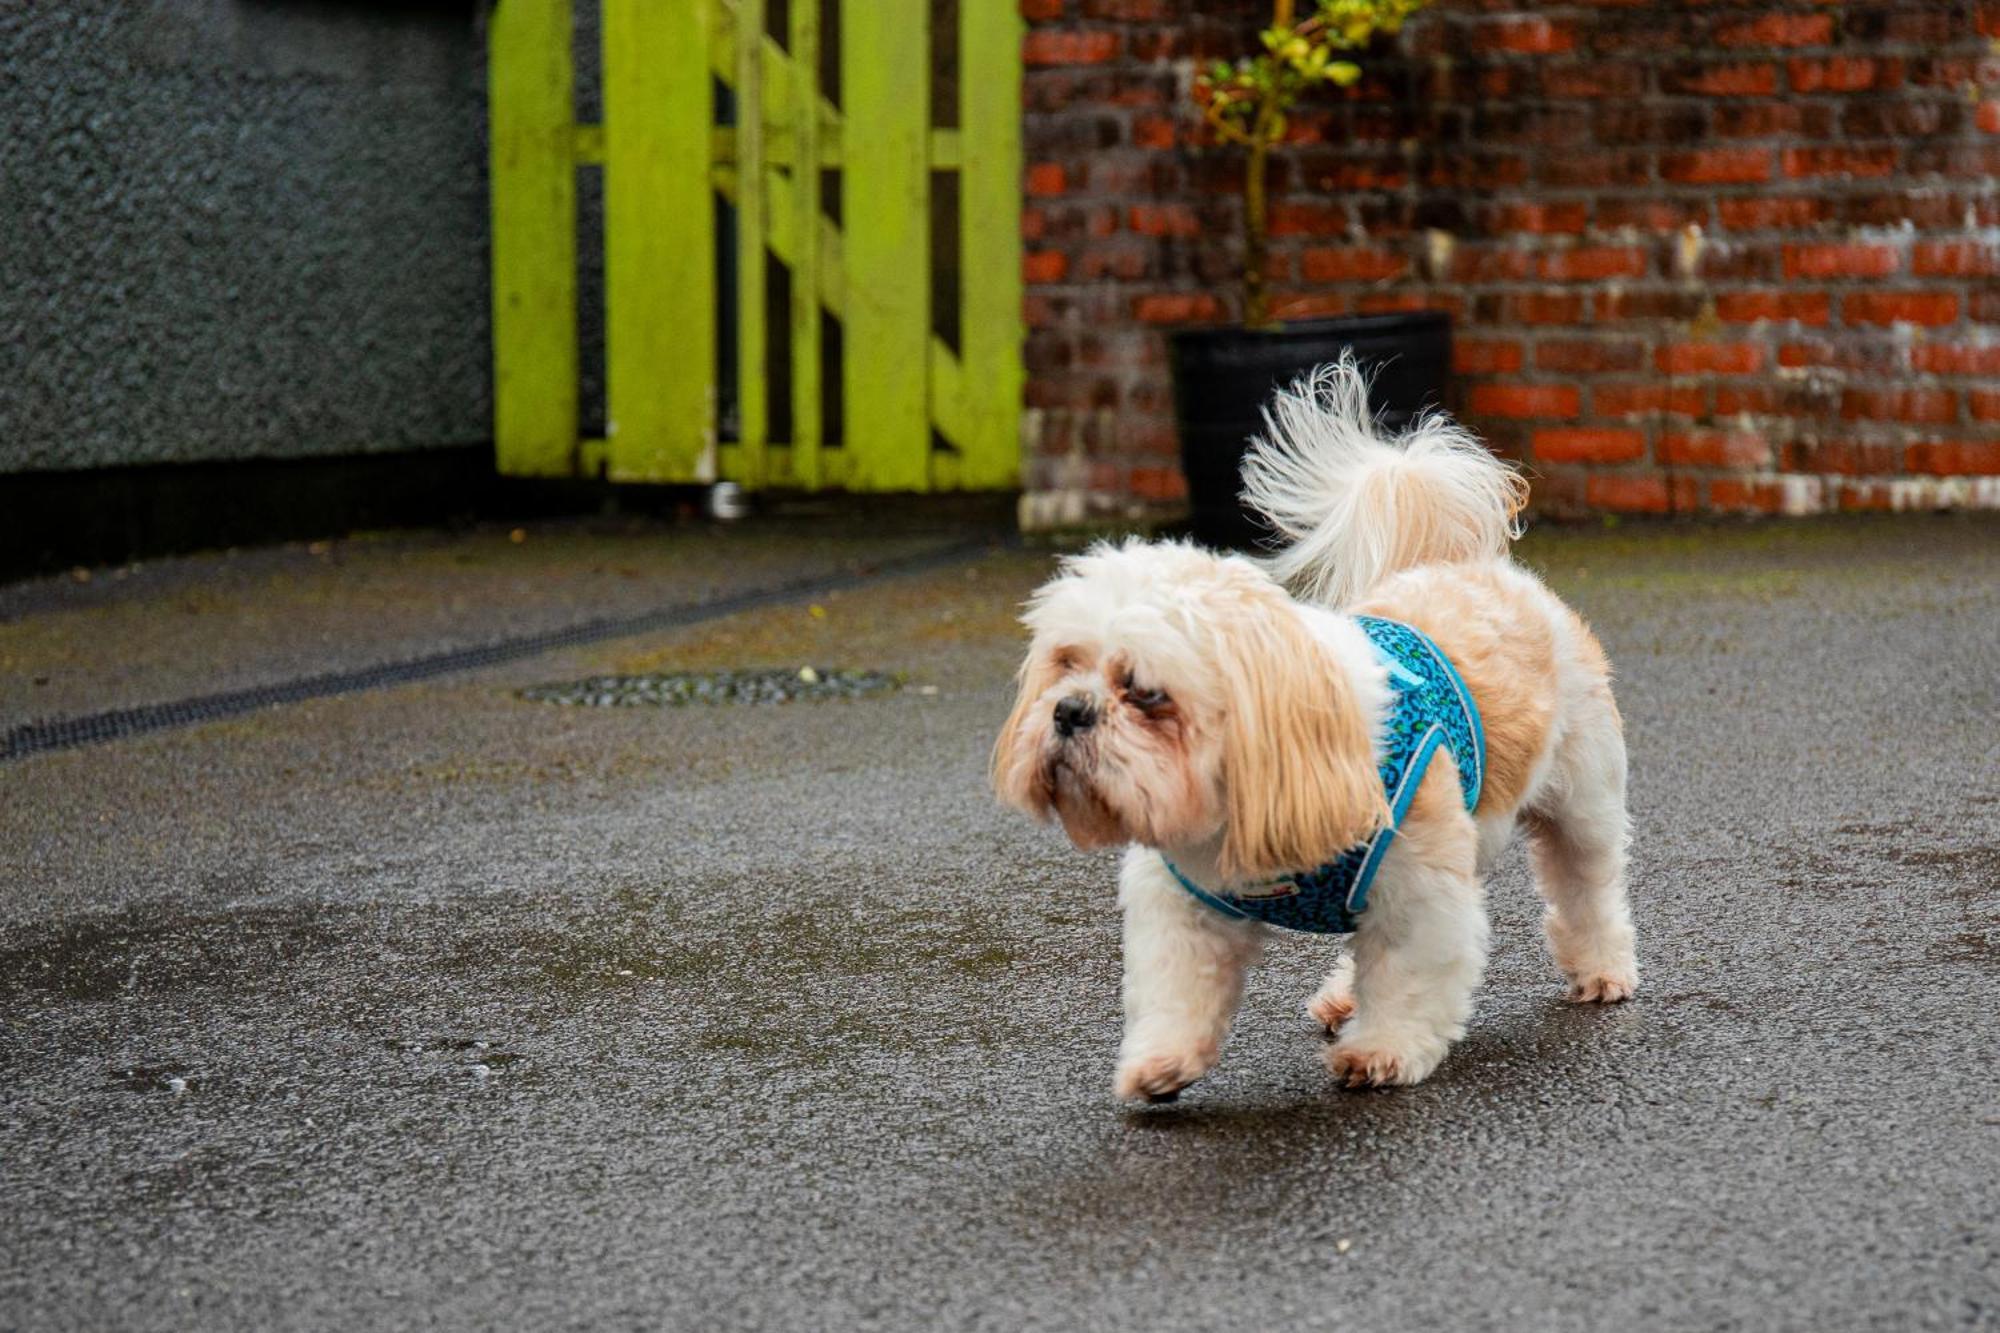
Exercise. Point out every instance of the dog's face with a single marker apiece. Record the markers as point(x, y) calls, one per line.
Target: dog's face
point(1171, 697)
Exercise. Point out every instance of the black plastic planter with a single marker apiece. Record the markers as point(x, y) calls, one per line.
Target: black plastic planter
point(1224, 377)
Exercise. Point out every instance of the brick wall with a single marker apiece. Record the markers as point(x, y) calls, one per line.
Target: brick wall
point(1717, 257)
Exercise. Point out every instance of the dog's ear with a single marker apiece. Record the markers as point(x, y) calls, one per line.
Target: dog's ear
point(1017, 752)
point(1299, 771)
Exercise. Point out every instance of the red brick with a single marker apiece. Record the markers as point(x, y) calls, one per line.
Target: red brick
point(1385, 303)
point(1041, 11)
point(1598, 78)
point(1766, 120)
point(1641, 493)
point(1589, 356)
point(1937, 359)
point(1713, 448)
point(1901, 404)
point(1893, 118)
point(1738, 80)
point(1955, 458)
point(1717, 166)
point(1044, 266)
point(1163, 220)
point(1843, 74)
point(1176, 307)
point(1840, 261)
point(1485, 357)
point(1539, 218)
point(1310, 305)
point(1546, 308)
point(1743, 495)
point(1826, 161)
point(1755, 399)
point(1957, 259)
point(1158, 483)
point(1525, 400)
point(1926, 308)
point(1594, 263)
point(1984, 404)
point(1777, 30)
point(1524, 36)
point(1128, 11)
point(1782, 213)
point(1056, 46)
point(1584, 169)
point(1946, 157)
point(1482, 264)
point(1126, 262)
point(1659, 215)
point(1327, 264)
point(1988, 117)
point(1307, 219)
point(1709, 358)
point(1748, 307)
point(1627, 400)
point(1795, 356)
point(1047, 178)
point(1846, 458)
point(1153, 132)
point(1650, 303)
point(1581, 444)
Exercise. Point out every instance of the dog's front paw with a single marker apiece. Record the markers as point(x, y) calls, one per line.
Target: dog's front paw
point(1361, 1061)
point(1334, 1002)
point(1330, 1008)
point(1609, 986)
point(1157, 1074)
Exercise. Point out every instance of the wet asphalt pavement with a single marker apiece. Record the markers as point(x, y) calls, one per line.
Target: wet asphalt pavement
point(436, 1006)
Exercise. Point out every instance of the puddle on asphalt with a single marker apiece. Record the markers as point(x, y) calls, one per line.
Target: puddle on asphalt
point(776, 685)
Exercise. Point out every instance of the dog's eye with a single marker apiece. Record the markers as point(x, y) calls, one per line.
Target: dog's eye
point(1146, 700)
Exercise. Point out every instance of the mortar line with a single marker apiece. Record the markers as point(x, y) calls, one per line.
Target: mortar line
point(65, 733)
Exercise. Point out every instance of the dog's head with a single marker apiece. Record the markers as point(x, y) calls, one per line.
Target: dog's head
point(1171, 696)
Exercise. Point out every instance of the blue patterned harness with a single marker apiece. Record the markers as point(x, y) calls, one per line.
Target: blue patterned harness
point(1433, 707)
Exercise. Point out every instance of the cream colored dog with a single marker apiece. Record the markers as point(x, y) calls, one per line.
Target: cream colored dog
point(1180, 703)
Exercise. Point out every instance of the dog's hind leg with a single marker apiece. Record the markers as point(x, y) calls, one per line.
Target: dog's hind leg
point(1578, 843)
point(1184, 964)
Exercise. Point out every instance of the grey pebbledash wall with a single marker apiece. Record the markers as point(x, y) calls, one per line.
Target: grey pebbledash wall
point(240, 229)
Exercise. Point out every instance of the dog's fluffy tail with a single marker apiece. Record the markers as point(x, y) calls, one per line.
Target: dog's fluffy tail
point(1355, 508)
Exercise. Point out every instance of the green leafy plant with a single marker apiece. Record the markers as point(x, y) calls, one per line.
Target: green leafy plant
point(1249, 102)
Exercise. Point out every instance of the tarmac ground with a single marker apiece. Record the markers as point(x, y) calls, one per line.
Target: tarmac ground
point(434, 1005)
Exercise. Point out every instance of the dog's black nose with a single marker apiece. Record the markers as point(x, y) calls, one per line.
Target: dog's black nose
point(1074, 714)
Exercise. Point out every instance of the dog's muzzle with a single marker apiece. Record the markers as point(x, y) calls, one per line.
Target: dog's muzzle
point(1074, 714)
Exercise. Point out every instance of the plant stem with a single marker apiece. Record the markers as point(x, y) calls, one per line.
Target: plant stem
point(1256, 226)
point(1256, 304)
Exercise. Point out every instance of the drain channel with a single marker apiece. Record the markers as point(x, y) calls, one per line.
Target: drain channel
point(119, 723)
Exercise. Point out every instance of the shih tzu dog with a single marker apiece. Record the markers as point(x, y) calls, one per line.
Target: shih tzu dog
point(1349, 759)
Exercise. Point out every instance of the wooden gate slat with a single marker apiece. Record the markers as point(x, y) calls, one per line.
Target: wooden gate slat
point(804, 212)
point(885, 93)
point(534, 239)
point(990, 37)
point(659, 243)
point(752, 196)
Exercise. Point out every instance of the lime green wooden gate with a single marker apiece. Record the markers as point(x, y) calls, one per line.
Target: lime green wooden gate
point(839, 184)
